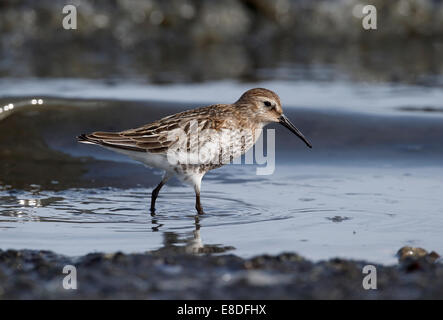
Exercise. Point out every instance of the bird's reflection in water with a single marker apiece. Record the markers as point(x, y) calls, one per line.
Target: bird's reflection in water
point(155, 224)
point(186, 243)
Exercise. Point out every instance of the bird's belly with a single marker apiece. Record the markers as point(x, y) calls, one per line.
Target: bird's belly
point(152, 160)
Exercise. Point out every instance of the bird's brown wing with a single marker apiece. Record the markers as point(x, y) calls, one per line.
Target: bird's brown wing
point(158, 136)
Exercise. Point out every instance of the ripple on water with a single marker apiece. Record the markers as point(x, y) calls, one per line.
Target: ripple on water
point(113, 206)
point(119, 219)
point(128, 209)
point(220, 210)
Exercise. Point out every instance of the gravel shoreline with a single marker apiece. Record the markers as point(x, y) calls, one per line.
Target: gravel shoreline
point(173, 274)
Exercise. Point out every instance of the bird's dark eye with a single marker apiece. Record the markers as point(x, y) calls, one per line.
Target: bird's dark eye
point(267, 103)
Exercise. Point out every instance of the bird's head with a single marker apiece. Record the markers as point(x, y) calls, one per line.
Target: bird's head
point(266, 108)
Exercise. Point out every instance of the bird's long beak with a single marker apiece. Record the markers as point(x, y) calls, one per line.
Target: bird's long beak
point(288, 124)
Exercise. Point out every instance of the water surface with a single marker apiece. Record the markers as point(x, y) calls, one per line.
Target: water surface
point(370, 185)
point(317, 211)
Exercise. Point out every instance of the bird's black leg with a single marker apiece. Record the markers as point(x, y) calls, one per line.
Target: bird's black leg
point(198, 205)
point(156, 191)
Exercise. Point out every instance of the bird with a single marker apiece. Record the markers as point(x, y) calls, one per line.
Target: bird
point(191, 143)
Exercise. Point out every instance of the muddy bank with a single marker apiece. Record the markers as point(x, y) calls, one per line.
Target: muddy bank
point(174, 274)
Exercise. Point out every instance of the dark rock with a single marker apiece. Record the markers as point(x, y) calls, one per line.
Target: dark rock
point(416, 259)
point(412, 253)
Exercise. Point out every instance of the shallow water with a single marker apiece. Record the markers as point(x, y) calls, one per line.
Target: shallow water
point(339, 95)
point(317, 211)
point(371, 185)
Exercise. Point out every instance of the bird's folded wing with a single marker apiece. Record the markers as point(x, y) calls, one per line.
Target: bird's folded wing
point(134, 140)
point(159, 136)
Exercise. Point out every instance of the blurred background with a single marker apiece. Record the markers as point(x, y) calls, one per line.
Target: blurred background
point(201, 40)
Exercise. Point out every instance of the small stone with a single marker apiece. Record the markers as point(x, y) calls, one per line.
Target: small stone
point(410, 252)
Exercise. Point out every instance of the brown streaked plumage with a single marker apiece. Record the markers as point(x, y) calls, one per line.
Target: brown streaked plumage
point(190, 143)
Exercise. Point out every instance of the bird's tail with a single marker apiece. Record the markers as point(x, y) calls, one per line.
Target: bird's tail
point(83, 138)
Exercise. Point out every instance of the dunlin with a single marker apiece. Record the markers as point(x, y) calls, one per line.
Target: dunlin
point(190, 143)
